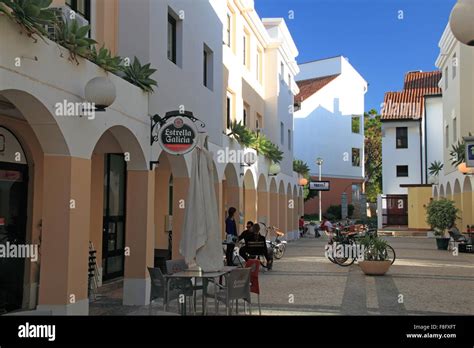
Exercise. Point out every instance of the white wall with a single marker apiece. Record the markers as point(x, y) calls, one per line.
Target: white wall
point(434, 131)
point(178, 85)
point(323, 125)
point(393, 157)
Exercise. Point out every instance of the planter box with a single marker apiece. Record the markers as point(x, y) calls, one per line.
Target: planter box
point(375, 267)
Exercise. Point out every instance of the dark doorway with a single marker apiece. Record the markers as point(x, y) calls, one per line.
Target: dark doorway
point(395, 210)
point(113, 242)
point(13, 216)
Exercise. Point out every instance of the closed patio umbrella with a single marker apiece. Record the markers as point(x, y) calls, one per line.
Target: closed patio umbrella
point(201, 238)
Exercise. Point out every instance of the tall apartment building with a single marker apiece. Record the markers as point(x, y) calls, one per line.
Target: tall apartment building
point(68, 181)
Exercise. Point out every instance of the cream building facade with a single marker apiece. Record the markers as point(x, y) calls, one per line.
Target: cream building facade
point(456, 62)
point(82, 180)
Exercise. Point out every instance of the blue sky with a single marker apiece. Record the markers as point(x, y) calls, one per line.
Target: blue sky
point(378, 44)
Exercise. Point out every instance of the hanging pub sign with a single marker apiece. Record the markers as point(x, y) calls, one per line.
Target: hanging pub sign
point(177, 134)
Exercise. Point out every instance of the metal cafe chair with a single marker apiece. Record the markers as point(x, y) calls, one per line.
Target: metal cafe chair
point(158, 289)
point(237, 287)
point(254, 266)
point(187, 287)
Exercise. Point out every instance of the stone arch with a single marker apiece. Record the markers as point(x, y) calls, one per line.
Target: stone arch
point(467, 203)
point(435, 192)
point(273, 202)
point(231, 193)
point(441, 191)
point(289, 208)
point(449, 192)
point(262, 200)
point(249, 197)
point(457, 198)
point(282, 207)
point(41, 119)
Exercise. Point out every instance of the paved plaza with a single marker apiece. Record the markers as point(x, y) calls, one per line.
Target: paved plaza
point(423, 281)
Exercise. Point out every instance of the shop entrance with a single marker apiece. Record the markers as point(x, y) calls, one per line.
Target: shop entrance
point(113, 243)
point(13, 217)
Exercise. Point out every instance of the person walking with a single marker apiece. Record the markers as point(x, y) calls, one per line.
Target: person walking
point(231, 233)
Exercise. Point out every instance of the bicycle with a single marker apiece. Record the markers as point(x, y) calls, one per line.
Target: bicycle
point(350, 241)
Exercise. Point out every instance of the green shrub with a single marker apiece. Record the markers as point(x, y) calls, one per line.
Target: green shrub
point(335, 211)
point(441, 215)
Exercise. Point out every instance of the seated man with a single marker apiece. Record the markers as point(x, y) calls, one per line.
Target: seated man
point(456, 235)
point(255, 244)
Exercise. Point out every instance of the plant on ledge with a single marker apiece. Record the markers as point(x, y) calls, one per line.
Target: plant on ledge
point(139, 75)
point(31, 15)
point(74, 38)
point(264, 146)
point(242, 134)
point(458, 152)
point(435, 168)
point(105, 60)
point(300, 167)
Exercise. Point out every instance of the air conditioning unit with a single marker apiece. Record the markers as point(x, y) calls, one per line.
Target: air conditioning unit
point(68, 15)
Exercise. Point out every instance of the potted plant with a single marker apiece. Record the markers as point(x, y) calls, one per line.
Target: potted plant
point(441, 215)
point(375, 256)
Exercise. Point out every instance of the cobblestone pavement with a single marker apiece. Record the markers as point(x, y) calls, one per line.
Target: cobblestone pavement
point(422, 281)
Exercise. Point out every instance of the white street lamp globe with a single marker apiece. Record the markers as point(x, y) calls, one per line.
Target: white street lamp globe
point(250, 158)
point(274, 169)
point(461, 21)
point(319, 161)
point(101, 92)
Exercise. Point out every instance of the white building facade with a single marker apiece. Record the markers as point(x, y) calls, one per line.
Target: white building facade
point(329, 123)
point(411, 125)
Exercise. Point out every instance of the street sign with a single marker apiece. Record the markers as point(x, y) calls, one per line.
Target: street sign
point(319, 185)
point(469, 151)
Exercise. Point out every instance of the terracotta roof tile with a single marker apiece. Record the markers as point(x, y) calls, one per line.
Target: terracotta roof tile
point(410, 102)
point(311, 86)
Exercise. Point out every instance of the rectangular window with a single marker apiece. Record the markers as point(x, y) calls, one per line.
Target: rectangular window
point(282, 71)
point(258, 69)
point(246, 50)
point(259, 122)
point(83, 7)
point(171, 38)
point(355, 124)
point(402, 138)
point(228, 30)
point(455, 130)
point(402, 171)
point(446, 137)
point(455, 65)
point(208, 67)
point(355, 157)
point(246, 115)
point(446, 78)
point(289, 139)
point(229, 108)
point(282, 133)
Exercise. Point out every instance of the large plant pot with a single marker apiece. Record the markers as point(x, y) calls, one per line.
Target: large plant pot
point(375, 267)
point(442, 243)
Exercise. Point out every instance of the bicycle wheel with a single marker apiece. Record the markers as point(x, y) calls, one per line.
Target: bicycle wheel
point(390, 254)
point(347, 259)
point(279, 251)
